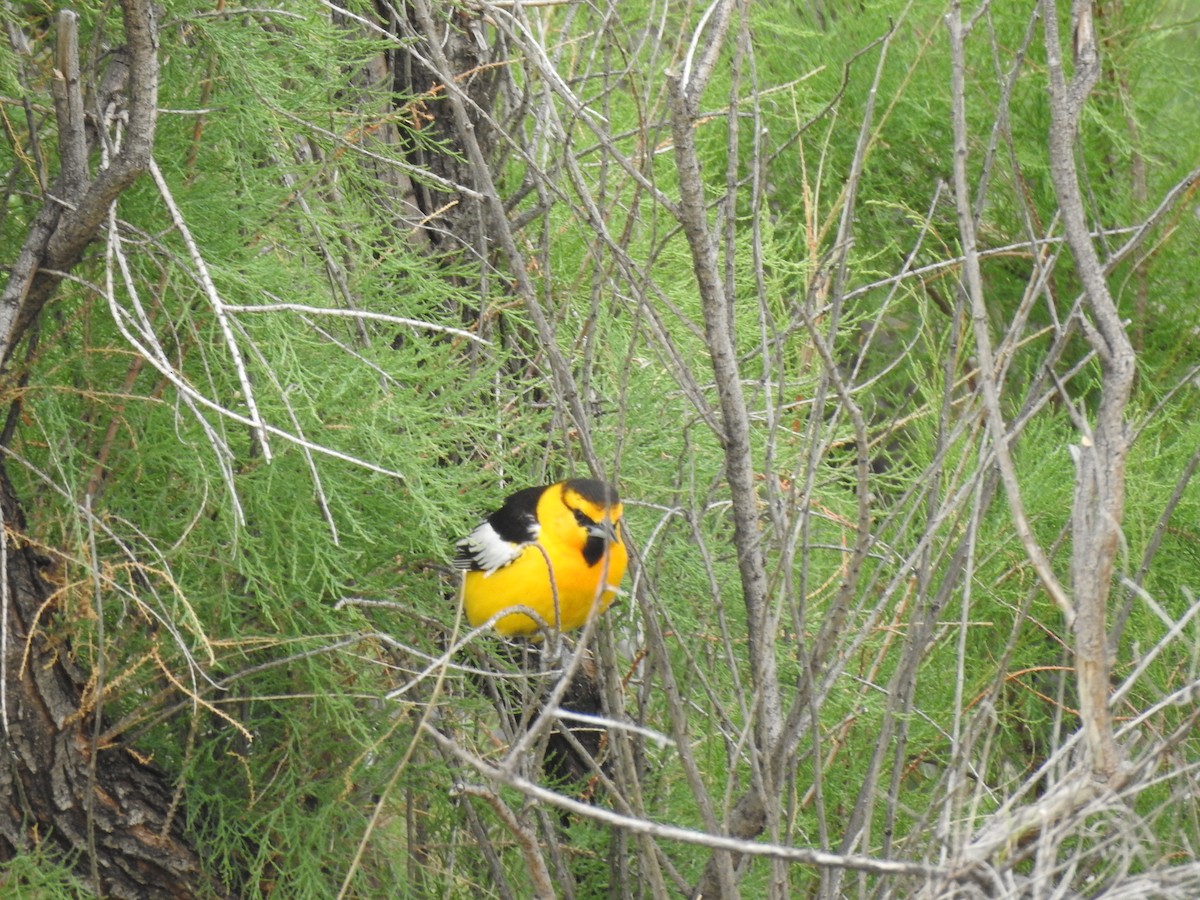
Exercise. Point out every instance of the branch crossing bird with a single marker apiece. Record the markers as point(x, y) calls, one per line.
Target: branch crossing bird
point(556, 550)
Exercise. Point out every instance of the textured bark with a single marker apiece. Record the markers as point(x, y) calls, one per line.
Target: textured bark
point(451, 219)
point(126, 813)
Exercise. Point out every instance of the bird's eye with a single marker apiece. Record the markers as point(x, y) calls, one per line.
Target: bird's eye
point(582, 520)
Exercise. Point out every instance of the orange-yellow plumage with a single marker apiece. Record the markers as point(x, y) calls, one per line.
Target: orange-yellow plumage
point(562, 543)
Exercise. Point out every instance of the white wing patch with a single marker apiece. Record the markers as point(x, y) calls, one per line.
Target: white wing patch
point(488, 551)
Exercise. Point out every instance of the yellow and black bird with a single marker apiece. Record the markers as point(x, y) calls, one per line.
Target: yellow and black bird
point(556, 550)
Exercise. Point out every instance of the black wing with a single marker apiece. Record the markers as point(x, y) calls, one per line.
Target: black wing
point(498, 539)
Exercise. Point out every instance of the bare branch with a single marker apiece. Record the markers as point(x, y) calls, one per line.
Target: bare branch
point(1100, 457)
point(77, 206)
point(973, 284)
point(739, 467)
point(803, 855)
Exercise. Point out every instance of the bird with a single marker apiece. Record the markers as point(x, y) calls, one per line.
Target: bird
point(556, 550)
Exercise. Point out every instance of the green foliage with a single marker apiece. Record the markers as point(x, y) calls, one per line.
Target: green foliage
point(223, 567)
point(232, 661)
point(41, 876)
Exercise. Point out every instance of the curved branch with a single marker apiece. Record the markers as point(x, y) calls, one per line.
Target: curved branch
point(76, 208)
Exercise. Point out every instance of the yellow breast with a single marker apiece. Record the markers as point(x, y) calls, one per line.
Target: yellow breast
point(551, 577)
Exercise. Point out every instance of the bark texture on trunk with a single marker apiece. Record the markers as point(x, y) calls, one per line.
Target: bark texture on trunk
point(119, 818)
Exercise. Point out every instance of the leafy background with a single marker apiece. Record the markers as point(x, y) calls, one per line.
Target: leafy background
point(218, 566)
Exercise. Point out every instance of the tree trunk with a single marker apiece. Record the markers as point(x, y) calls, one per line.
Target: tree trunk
point(106, 807)
point(450, 218)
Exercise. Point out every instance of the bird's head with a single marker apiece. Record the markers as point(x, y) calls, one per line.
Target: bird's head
point(590, 512)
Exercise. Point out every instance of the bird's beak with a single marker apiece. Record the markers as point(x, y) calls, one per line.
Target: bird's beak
point(605, 530)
